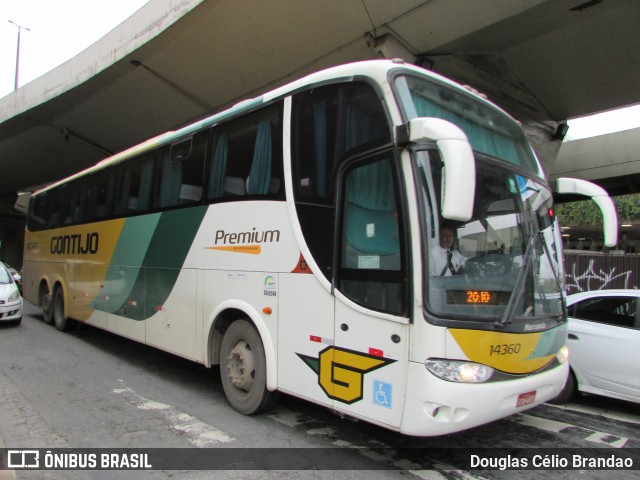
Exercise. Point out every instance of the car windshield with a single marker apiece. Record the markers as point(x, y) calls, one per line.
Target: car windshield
point(5, 277)
point(502, 265)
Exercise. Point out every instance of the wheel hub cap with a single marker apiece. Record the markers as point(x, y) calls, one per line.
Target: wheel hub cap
point(240, 366)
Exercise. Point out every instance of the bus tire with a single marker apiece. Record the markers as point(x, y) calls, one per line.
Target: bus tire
point(59, 319)
point(46, 305)
point(568, 391)
point(243, 370)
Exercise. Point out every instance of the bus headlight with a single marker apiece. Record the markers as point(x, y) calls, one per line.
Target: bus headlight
point(459, 371)
point(563, 354)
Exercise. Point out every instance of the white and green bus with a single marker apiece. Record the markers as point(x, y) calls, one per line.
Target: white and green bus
point(287, 240)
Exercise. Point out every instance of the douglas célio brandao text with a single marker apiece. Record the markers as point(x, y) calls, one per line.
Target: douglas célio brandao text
point(552, 461)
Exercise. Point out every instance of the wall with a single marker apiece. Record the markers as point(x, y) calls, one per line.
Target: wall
point(597, 271)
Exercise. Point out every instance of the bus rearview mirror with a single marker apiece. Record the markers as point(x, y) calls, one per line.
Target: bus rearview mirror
point(459, 173)
point(602, 199)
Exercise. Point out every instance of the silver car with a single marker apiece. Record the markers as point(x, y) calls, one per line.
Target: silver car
point(604, 344)
point(10, 298)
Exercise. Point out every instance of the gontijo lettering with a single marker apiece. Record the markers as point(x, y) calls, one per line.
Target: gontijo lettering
point(75, 244)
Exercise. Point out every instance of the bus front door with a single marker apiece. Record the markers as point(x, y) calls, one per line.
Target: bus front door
point(370, 354)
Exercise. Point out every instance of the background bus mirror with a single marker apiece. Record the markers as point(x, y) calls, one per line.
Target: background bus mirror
point(459, 175)
point(602, 199)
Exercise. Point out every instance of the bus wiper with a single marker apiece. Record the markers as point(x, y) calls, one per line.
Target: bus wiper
point(518, 289)
point(555, 277)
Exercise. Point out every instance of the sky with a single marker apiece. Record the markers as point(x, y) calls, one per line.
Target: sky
point(60, 29)
point(603, 123)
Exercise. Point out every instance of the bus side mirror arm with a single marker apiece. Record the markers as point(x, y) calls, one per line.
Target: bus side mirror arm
point(459, 173)
point(602, 199)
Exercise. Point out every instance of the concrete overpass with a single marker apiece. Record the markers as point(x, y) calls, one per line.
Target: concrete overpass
point(177, 60)
point(613, 162)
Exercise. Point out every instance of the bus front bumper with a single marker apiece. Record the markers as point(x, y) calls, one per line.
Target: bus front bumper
point(438, 407)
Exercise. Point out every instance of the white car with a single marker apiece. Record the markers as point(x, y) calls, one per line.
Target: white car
point(10, 298)
point(604, 344)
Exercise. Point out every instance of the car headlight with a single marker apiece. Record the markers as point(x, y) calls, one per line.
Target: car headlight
point(15, 296)
point(459, 371)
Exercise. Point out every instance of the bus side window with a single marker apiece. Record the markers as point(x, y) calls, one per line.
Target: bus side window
point(181, 178)
point(328, 122)
point(170, 179)
point(37, 212)
point(77, 201)
point(54, 209)
point(105, 194)
point(218, 165)
point(90, 199)
point(246, 158)
point(260, 172)
point(70, 202)
point(134, 186)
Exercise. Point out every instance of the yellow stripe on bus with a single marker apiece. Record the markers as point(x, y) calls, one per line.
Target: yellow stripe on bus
point(507, 352)
point(251, 249)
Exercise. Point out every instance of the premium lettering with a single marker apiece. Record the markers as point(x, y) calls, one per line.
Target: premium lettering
point(78, 244)
point(254, 236)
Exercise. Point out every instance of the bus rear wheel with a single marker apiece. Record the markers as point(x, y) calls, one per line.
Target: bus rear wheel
point(58, 310)
point(243, 369)
point(46, 305)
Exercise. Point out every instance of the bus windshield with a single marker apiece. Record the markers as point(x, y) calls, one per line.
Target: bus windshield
point(489, 130)
point(502, 267)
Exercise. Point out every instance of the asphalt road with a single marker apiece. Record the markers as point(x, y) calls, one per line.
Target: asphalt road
point(90, 389)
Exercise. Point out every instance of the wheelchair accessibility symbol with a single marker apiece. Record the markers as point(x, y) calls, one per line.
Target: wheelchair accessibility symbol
point(382, 393)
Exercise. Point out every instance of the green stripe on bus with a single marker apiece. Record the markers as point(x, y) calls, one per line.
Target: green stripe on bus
point(164, 257)
point(126, 262)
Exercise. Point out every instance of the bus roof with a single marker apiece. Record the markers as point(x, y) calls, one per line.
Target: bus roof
point(376, 69)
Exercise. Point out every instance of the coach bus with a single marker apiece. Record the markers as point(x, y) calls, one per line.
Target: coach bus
point(286, 240)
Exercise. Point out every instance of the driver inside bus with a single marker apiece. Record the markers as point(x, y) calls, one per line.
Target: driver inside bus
point(444, 259)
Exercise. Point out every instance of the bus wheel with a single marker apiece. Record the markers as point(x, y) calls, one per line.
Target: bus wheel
point(46, 305)
point(243, 369)
point(58, 310)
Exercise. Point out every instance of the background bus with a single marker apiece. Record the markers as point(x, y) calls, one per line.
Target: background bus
point(287, 240)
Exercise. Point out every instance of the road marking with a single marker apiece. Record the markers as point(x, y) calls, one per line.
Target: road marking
point(540, 423)
point(574, 407)
point(559, 427)
point(286, 417)
point(376, 451)
point(198, 433)
point(325, 431)
point(607, 439)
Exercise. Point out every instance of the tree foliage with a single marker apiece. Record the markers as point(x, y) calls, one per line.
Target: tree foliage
point(586, 212)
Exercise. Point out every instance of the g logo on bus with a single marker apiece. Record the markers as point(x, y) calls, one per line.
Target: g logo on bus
point(341, 371)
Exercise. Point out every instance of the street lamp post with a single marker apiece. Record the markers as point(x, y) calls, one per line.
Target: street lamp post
point(20, 28)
